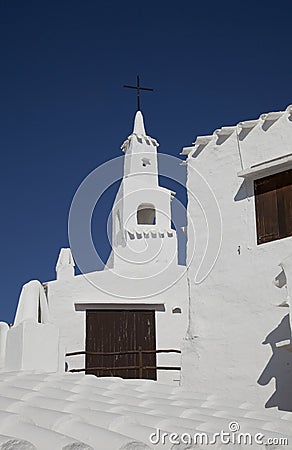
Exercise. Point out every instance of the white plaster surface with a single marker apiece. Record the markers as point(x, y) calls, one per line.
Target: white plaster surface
point(32, 297)
point(74, 411)
point(238, 315)
point(32, 346)
point(64, 296)
point(4, 327)
point(65, 264)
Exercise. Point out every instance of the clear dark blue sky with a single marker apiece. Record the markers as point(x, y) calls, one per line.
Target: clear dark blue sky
point(63, 110)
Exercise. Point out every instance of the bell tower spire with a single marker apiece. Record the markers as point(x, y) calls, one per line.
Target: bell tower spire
point(140, 153)
point(141, 215)
point(139, 127)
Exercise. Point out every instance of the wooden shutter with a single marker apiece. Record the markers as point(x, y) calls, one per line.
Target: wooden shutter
point(266, 210)
point(273, 202)
point(284, 202)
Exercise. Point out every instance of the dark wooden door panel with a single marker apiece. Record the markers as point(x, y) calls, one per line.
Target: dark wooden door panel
point(284, 198)
point(273, 201)
point(118, 331)
point(266, 213)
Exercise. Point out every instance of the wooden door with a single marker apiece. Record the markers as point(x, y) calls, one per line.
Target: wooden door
point(118, 331)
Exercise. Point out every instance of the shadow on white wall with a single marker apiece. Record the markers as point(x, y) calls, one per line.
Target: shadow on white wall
point(279, 367)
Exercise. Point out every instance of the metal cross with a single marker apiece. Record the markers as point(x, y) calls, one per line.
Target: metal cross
point(139, 88)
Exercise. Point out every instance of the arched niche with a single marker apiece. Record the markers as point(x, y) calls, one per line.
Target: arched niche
point(146, 214)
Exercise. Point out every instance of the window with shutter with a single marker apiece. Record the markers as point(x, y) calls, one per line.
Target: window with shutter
point(273, 203)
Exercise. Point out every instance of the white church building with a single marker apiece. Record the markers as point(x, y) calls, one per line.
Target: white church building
point(138, 302)
point(227, 310)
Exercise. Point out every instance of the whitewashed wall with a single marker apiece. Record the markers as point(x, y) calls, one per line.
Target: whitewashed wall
point(70, 297)
point(236, 320)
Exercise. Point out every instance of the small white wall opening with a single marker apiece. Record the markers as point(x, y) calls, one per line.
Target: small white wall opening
point(146, 214)
point(146, 162)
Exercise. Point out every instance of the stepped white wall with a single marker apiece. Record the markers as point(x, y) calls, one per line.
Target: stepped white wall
point(236, 317)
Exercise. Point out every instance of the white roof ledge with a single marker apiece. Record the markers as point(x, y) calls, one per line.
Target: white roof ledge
point(249, 124)
point(142, 137)
point(203, 140)
point(225, 131)
point(186, 150)
point(272, 116)
point(268, 167)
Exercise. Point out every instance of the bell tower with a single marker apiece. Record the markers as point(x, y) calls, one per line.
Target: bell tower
point(141, 215)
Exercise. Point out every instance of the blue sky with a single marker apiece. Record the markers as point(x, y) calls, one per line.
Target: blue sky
point(63, 110)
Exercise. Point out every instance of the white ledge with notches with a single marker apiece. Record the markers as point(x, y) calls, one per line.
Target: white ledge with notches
point(268, 167)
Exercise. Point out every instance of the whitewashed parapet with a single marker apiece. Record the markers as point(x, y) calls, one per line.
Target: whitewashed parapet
point(32, 304)
point(33, 342)
point(242, 129)
point(65, 264)
point(151, 233)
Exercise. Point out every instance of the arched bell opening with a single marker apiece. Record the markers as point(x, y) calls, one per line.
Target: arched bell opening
point(146, 214)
